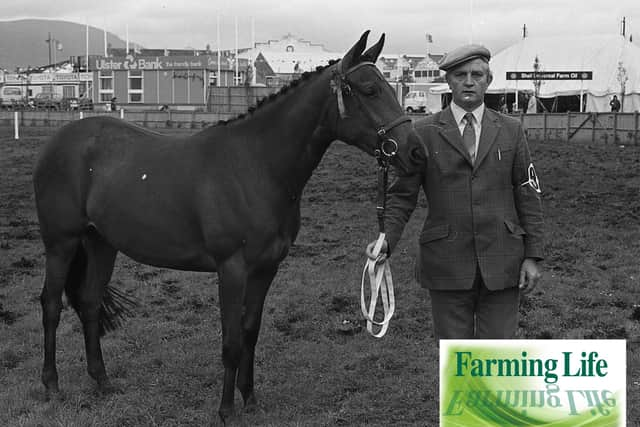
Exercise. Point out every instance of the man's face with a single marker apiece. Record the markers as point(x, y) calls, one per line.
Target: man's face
point(469, 82)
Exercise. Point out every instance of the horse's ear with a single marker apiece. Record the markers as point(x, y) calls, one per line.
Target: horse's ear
point(353, 56)
point(371, 55)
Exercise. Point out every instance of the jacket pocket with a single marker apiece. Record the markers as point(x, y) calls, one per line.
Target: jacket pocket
point(514, 228)
point(434, 233)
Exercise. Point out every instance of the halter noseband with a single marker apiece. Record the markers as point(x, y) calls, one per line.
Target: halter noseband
point(387, 147)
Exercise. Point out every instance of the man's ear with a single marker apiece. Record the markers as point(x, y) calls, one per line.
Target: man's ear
point(489, 78)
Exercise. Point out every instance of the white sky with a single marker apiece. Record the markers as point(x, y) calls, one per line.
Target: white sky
point(337, 23)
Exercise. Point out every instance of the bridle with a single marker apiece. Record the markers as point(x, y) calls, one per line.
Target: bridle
point(381, 282)
point(387, 147)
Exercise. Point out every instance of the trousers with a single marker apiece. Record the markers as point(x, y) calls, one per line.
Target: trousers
point(475, 313)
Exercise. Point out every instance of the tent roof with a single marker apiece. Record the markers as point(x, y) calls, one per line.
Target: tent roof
point(600, 54)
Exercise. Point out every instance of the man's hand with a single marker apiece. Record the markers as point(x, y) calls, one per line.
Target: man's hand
point(529, 275)
point(383, 252)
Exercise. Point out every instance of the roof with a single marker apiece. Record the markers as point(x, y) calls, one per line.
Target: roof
point(285, 62)
point(600, 54)
point(291, 54)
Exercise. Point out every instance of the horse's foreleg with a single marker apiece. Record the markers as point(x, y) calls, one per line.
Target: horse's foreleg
point(100, 260)
point(58, 261)
point(232, 284)
point(257, 287)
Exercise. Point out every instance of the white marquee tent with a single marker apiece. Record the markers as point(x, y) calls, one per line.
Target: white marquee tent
point(601, 54)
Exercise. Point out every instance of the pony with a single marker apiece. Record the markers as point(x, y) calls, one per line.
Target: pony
point(225, 200)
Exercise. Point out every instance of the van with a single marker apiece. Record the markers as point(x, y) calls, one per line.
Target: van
point(10, 94)
point(416, 101)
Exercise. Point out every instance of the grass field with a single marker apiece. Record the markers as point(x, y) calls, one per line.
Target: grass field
point(166, 360)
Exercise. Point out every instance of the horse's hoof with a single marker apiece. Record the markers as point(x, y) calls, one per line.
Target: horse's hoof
point(251, 404)
point(106, 387)
point(225, 414)
point(52, 395)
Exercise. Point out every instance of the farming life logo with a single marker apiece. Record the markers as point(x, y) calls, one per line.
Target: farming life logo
point(532, 383)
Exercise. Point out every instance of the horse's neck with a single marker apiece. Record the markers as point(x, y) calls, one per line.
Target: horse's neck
point(294, 140)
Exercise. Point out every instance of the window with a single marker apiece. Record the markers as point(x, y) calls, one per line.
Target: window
point(106, 85)
point(135, 85)
point(69, 91)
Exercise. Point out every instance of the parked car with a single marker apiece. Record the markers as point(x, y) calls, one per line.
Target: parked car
point(416, 101)
point(48, 101)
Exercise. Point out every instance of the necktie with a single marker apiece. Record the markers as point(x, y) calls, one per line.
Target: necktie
point(469, 136)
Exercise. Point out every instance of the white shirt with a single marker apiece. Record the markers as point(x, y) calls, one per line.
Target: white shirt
point(458, 115)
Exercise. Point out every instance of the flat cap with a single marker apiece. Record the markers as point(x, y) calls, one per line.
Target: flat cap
point(463, 54)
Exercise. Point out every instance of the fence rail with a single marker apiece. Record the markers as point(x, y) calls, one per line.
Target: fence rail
point(607, 128)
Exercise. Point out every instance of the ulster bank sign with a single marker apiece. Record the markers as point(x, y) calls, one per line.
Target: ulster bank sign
point(131, 62)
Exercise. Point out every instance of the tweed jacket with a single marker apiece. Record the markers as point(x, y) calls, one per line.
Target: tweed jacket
point(486, 213)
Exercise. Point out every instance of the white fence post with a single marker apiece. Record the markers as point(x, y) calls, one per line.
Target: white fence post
point(81, 115)
point(16, 125)
point(122, 113)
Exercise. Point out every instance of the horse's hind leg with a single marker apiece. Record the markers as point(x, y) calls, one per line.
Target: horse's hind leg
point(255, 295)
point(60, 259)
point(100, 260)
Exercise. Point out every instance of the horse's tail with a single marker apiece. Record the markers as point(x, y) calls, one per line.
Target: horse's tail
point(116, 305)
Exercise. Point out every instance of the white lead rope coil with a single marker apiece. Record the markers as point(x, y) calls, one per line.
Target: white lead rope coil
point(381, 283)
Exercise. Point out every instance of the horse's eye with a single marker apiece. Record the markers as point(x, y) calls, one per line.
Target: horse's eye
point(370, 89)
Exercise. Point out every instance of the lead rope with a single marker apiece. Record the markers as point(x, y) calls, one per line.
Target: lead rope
point(379, 274)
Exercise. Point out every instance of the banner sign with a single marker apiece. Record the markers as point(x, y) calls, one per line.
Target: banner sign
point(550, 75)
point(35, 78)
point(532, 382)
point(131, 62)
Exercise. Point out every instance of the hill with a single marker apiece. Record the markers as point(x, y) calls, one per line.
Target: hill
point(23, 42)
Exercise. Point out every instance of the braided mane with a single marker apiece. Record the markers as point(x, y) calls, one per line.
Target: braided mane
point(270, 98)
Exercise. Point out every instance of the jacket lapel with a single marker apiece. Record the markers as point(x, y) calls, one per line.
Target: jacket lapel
point(488, 135)
point(451, 133)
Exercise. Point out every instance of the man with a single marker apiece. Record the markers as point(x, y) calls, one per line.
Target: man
point(615, 104)
point(482, 238)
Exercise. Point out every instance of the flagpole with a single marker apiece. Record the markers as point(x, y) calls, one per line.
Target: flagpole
point(127, 42)
point(86, 68)
point(253, 51)
point(235, 82)
point(218, 76)
point(104, 30)
point(470, 21)
point(87, 47)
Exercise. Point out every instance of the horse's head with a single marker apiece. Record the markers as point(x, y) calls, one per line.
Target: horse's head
point(367, 113)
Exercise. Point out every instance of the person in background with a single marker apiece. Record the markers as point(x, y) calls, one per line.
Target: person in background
point(113, 104)
point(482, 239)
point(615, 104)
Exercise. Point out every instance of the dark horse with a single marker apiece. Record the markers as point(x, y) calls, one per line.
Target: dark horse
point(226, 199)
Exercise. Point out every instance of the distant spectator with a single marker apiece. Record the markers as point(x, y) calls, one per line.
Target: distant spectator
point(502, 105)
point(524, 101)
point(615, 104)
point(113, 104)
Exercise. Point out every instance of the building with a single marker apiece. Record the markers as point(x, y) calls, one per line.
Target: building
point(426, 70)
point(280, 61)
point(163, 77)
